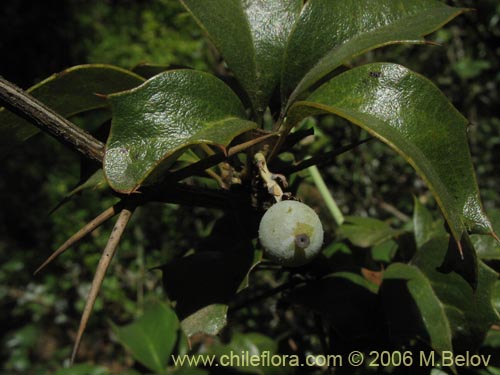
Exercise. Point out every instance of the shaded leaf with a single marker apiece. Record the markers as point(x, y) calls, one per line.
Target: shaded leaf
point(347, 300)
point(406, 111)
point(254, 344)
point(155, 122)
point(385, 251)
point(202, 301)
point(329, 33)
point(209, 320)
point(424, 225)
point(188, 370)
point(148, 70)
point(251, 35)
point(365, 231)
point(413, 309)
point(69, 92)
point(496, 296)
point(95, 181)
point(83, 369)
point(470, 312)
point(151, 338)
point(461, 258)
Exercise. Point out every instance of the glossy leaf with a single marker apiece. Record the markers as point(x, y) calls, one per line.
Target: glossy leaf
point(412, 308)
point(152, 337)
point(331, 32)
point(69, 92)
point(470, 313)
point(365, 231)
point(154, 123)
point(251, 35)
point(407, 112)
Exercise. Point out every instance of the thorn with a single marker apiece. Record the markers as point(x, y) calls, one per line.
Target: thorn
point(432, 43)
point(87, 229)
point(460, 250)
point(102, 96)
point(102, 267)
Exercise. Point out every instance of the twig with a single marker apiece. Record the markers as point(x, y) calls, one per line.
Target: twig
point(104, 262)
point(325, 158)
point(85, 230)
point(393, 210)
point(214, 159)
point(29, 108)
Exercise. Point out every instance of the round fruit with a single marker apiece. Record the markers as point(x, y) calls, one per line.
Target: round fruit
point(291, 233)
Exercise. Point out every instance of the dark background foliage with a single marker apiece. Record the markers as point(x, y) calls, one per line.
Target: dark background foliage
point(40, 38)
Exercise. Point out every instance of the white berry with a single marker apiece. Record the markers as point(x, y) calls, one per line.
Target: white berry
point(291, 233)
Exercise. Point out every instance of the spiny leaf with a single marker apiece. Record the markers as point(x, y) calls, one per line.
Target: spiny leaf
point(154, 123)
point(251, 35)
point(329, 33)
point(406, 111)
point(69, 92)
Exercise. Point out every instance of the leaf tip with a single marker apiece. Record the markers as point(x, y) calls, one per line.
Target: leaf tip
point(494, 235)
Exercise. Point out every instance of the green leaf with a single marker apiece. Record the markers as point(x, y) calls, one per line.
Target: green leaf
point(407, 112)
point(251, 35)
point(329, 33)
point(152, 337)
point(188, 370)
point(95, 182)
point(69, 92)
point(202, 305)
point(412, 308)
point(153, 123)
point(496, 296)
point(488, 247)
point(424, 225)
point(82, 369)
point(208, 320)
point(470, 313)
point(254, 344)
point(365, 231)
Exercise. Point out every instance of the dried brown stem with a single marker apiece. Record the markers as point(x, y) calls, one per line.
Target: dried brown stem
point(104, 262)
point(29, 108)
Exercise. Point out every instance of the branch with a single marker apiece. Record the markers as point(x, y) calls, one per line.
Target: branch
point(29, 108)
